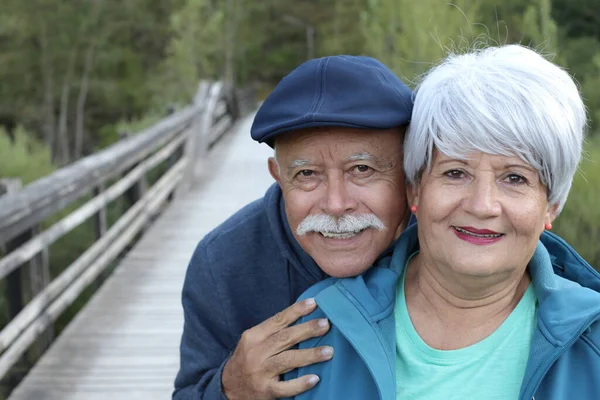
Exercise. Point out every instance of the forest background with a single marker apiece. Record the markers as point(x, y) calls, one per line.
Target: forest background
point(74, 75)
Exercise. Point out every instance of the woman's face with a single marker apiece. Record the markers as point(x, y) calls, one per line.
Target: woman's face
point(482, 216)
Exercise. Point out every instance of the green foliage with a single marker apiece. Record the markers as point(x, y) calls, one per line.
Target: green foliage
point(582, 59)
point(591, 97)
point(339, 35)
point(94, 62)
point(539, 26)
point(194, 51)
point(579, 222)
point(26, 158)
point(110, 134)
point(411, 36)
point(578, 17)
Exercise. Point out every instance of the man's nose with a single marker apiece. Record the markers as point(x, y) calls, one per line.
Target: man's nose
point(338, 201)
point(482, 198)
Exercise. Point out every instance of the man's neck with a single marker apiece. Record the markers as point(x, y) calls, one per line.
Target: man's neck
point(449, 314)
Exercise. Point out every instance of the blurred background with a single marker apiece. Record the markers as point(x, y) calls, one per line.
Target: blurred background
point(76, 75)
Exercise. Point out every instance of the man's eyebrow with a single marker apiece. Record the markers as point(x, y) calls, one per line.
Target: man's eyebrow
point(297, 163)
point(365, 156)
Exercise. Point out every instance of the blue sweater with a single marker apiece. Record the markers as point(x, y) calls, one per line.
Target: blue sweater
point(243, 272)
point(564, 361)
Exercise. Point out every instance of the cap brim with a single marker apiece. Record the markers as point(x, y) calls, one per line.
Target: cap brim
point(270, 138)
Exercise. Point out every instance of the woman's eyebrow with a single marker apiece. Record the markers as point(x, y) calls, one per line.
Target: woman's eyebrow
point(523, 166)
point(452, 160)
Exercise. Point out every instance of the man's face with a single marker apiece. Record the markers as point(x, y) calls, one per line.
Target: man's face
point(344, 193)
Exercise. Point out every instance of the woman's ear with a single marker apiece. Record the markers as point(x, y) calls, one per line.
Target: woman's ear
point(551, 213)
point(412, 194)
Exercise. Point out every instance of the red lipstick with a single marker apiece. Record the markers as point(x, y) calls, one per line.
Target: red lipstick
point(476, 236)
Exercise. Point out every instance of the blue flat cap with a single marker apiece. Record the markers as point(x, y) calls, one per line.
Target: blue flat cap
point(347, 91)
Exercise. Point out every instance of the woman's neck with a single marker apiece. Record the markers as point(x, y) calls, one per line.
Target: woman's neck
point(453, 312)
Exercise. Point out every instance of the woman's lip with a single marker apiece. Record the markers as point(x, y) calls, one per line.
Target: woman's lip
point(478, 231)
point(478, 240)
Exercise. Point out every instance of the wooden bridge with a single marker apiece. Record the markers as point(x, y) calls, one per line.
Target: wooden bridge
point(124, 343)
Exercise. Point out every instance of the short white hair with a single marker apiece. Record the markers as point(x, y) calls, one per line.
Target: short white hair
point(506, 100)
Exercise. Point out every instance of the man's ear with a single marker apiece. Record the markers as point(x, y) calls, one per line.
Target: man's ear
point(274, 170)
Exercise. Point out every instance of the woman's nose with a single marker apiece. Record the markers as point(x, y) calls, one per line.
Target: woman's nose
point(482, 198)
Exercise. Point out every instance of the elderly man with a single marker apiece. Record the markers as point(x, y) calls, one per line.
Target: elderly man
point(337, 127)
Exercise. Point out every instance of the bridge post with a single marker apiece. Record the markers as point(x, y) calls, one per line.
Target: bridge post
point(176, 156)
point(25, 282)
point(100, 217)
point(191, 148)
point(232, 101)
point(14, 288)
point(137, 191)
point(205, 124)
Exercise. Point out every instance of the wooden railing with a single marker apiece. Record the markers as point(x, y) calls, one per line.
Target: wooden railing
point(176, 143)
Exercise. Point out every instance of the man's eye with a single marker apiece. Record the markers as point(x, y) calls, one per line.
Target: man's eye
point(362, 168)
point(454, 174)
point(516, 179)
point(305, 173)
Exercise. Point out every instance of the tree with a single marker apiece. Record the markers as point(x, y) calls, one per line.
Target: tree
point(412, 36)
point(539, 27)
point(578, 17)
point(194, 51)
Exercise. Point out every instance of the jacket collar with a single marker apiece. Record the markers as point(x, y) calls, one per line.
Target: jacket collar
point(566, 307)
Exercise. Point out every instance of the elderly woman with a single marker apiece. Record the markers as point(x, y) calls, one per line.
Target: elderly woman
point(472, 305)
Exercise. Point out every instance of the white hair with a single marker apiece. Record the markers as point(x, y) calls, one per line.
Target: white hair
point(506, 100)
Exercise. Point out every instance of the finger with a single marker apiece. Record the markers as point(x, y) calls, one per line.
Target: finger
point(288, 337)
point(292, 359)
point(293, 387)
point(286, 317)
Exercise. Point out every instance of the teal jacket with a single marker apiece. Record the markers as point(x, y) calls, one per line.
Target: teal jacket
point(564, 361)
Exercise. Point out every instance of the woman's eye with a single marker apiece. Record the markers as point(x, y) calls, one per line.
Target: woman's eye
point(516, 179)
point(454, 174)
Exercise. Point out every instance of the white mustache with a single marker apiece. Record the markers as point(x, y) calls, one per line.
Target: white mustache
point(344, 224)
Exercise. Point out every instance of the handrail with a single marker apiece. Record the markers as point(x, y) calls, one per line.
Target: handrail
point(186, 135)
point(54, 192)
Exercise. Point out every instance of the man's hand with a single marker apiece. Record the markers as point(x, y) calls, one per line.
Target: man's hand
point(263, 354)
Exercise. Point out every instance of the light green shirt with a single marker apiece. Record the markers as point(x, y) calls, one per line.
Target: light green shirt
point(490, 369)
